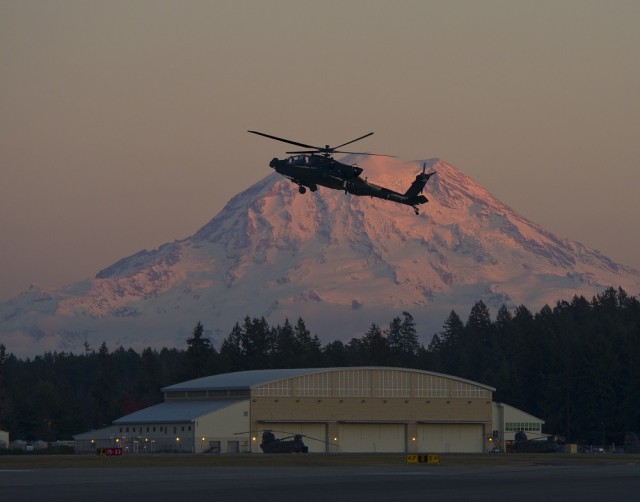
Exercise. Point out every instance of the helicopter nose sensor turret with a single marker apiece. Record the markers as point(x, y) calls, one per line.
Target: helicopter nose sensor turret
point(274, 162)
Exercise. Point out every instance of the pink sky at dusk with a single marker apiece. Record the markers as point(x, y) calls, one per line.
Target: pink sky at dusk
point(123, 124)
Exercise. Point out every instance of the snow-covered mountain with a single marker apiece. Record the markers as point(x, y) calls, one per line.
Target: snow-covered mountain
point(338, 261)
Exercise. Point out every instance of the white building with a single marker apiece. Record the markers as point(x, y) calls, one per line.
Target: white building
point(507, 421)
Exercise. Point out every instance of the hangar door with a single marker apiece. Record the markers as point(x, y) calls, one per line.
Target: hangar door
point(314, 435)
point(358, 438)
point(450, 438)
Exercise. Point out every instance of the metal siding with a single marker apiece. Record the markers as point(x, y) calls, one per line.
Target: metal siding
point(226, 425)
point(372, 438)
point(450, 438)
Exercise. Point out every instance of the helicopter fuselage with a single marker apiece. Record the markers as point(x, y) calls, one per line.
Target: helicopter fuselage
point(312, 170)
point(315, 166)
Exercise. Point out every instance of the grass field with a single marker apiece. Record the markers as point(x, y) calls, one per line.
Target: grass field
point(307, 460)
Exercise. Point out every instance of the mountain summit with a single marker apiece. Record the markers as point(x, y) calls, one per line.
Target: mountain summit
point(338, 261)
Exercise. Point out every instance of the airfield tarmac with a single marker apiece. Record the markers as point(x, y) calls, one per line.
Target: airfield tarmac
point(274, 478)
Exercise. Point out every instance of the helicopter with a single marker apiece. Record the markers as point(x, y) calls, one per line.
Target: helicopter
point(285, 445)
point(293, 443)
point(316, 166)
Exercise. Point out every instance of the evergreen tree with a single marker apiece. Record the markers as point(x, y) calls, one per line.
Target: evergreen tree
point(356, 353)
point(502, 355)
point(285, 352)
point(403, 340)
point(447, 346)
point(171, 366)
point(200, 356)
point(103, 388)
point(335, 355)
point(151, 378)
point(498, 374)
point(5, 402)
point(310, 348)
point(375, 347)
point(231, 351)
point(249, 347)
point(257, 343)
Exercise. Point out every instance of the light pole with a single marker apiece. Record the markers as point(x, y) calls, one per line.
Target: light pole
point(602, 437)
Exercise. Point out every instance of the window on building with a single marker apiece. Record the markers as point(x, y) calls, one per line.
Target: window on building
point(316, 385)
point(393, 384)
point(280, 388)
point(523, 426)
point(353, 383)
point(432, 386)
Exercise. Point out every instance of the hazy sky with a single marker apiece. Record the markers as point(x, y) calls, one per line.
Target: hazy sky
point(123, 123)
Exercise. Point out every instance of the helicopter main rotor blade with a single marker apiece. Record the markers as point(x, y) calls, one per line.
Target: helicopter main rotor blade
point(340, 151)
point(352, 141)
point(365, 153)
point(285, 140)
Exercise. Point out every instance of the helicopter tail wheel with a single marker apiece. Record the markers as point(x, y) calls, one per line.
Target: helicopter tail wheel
point(302, 189)
point(417, 211)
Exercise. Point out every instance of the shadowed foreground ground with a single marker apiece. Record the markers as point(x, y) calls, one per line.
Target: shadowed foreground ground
point(319, 478)
point(303, 460)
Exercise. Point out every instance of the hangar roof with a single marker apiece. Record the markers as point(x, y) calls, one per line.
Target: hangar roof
point(183, 411)
point(241, 379)
point(512, 413)
point(253, 378)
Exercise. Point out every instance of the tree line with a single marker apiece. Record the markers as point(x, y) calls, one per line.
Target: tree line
point(573, 365)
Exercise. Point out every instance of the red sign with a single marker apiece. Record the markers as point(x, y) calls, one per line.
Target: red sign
point(110, 452)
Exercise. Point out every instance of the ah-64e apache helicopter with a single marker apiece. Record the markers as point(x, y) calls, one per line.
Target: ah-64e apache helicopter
point(316, 166)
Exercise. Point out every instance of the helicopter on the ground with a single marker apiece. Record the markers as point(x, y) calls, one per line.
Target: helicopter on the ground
point(316, 166)
point(292, 444)
point(522, 444)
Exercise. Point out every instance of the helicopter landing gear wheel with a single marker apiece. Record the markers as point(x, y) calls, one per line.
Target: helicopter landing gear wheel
point(302, 189)
point(417, 211)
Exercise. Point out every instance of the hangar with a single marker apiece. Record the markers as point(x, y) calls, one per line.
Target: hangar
point(507, 421)
point(338, 410)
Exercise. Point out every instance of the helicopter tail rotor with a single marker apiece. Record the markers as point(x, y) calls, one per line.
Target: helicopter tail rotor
point(425, 177)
